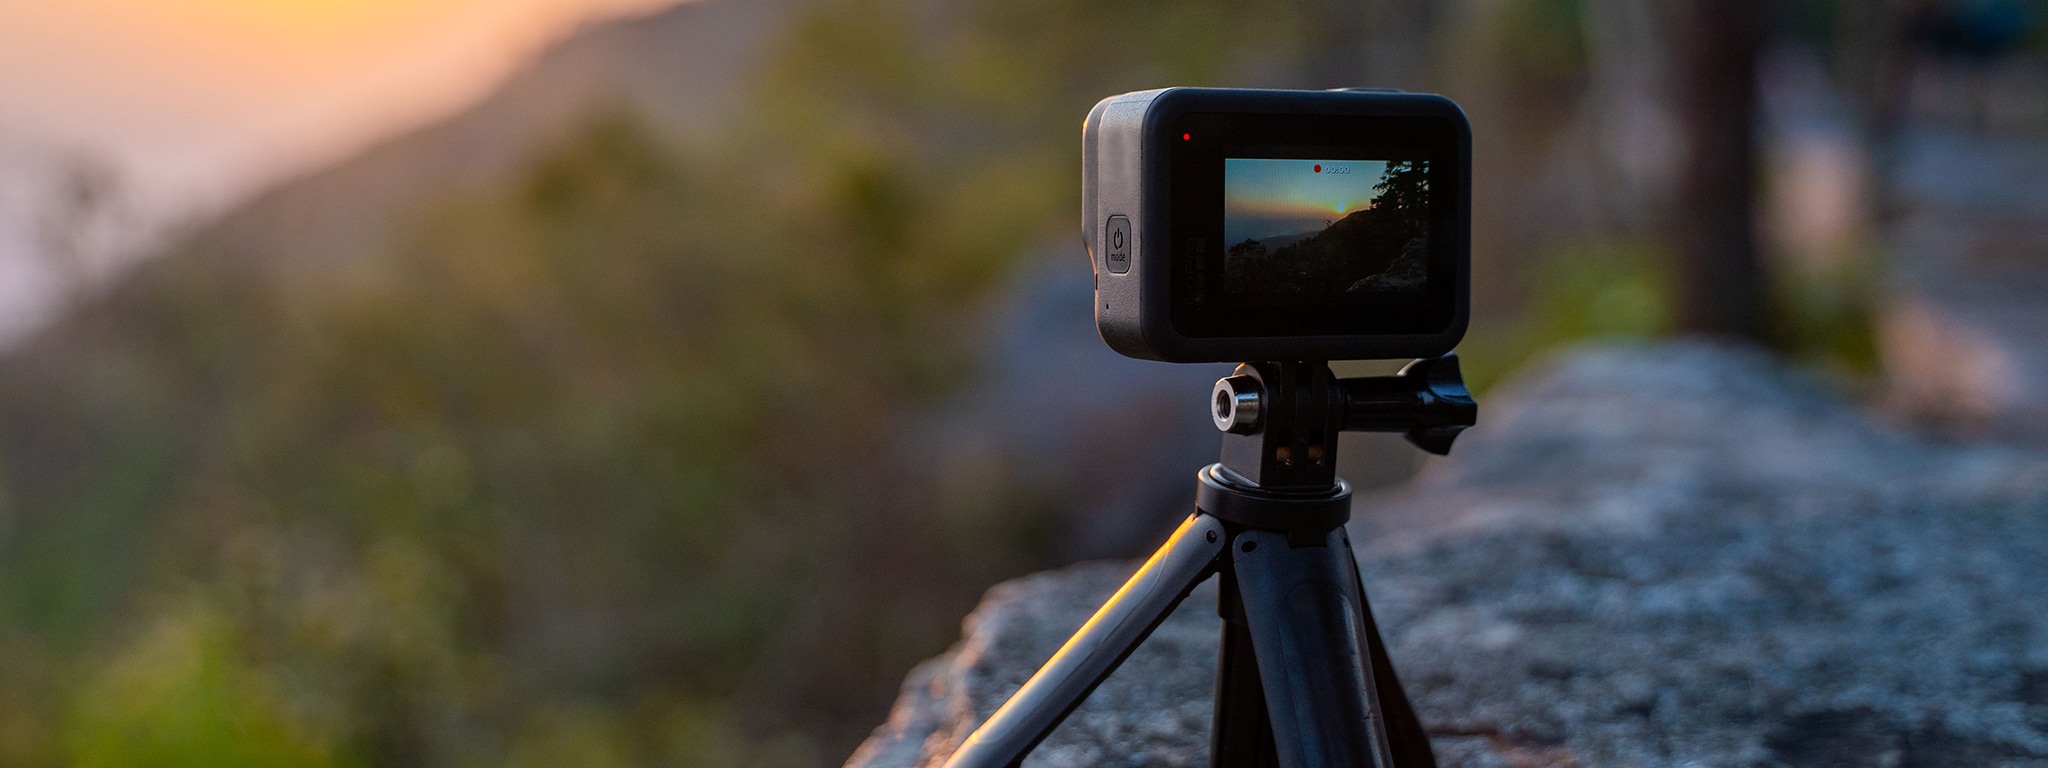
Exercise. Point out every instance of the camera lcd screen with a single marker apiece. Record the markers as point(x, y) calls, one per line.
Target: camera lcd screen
point(1321, 229)
point(1288, 225)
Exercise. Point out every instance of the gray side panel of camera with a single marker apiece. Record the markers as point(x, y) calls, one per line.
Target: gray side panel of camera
point(1118, 164)
point(1090, 225)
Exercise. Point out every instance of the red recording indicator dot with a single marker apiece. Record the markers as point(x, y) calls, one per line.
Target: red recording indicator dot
point(1186, 136)
point(1319, 169)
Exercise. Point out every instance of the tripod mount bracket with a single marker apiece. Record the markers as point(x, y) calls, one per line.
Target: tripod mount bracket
point(1281, 419)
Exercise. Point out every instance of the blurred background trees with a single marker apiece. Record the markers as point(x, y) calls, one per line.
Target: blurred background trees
point(1719, 269)
point(627, 419)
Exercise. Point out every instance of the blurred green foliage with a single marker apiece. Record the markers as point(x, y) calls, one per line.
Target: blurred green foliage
point(181, 695)
point(1825, 320)
point(1623, 291)
point(1620, 292)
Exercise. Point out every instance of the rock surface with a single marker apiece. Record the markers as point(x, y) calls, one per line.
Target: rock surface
point(1679, 555)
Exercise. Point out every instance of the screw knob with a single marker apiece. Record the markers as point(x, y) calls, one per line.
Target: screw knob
point(1235, 404)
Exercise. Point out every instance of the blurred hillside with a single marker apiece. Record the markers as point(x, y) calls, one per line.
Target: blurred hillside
point(680, 72)
point(667, 407)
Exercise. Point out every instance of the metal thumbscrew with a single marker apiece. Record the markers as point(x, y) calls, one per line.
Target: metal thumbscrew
point(1236, 400)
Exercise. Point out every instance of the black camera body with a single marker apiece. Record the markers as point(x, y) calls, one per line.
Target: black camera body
point(1229, 225)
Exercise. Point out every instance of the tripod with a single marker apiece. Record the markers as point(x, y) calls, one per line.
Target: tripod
point(1303, 679)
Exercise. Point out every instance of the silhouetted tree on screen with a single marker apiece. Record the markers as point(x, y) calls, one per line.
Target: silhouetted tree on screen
point(1404, 185)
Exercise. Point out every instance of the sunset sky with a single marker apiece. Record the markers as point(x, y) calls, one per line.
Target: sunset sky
point(197, 100)
point(1266, 198)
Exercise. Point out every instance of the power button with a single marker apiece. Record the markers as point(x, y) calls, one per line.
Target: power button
point(1117, 239)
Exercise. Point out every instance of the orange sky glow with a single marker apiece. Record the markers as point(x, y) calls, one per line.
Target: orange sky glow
point(205, 98)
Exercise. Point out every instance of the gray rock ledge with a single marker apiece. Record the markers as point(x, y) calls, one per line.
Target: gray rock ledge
point(1676, 555)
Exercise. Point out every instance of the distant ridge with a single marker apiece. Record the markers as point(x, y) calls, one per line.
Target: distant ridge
point(1282, 241)
point(680, 68)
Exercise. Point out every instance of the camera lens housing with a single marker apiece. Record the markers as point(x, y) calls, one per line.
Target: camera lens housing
point(1229, 225)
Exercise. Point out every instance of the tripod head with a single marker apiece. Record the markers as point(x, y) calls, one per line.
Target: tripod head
point(1281, 422)
point(1281, 419)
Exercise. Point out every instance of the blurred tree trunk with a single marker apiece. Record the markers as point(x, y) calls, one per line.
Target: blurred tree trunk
point(1721, 282)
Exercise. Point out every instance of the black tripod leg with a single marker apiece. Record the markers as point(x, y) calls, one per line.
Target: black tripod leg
point(1307, 620)
point(1406, 739)
point(1096, 648)
point(1241, 736)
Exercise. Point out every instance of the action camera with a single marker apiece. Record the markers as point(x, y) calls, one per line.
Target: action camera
point(1230, 225)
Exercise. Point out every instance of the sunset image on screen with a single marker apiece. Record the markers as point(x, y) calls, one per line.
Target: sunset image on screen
point(1325, 226)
